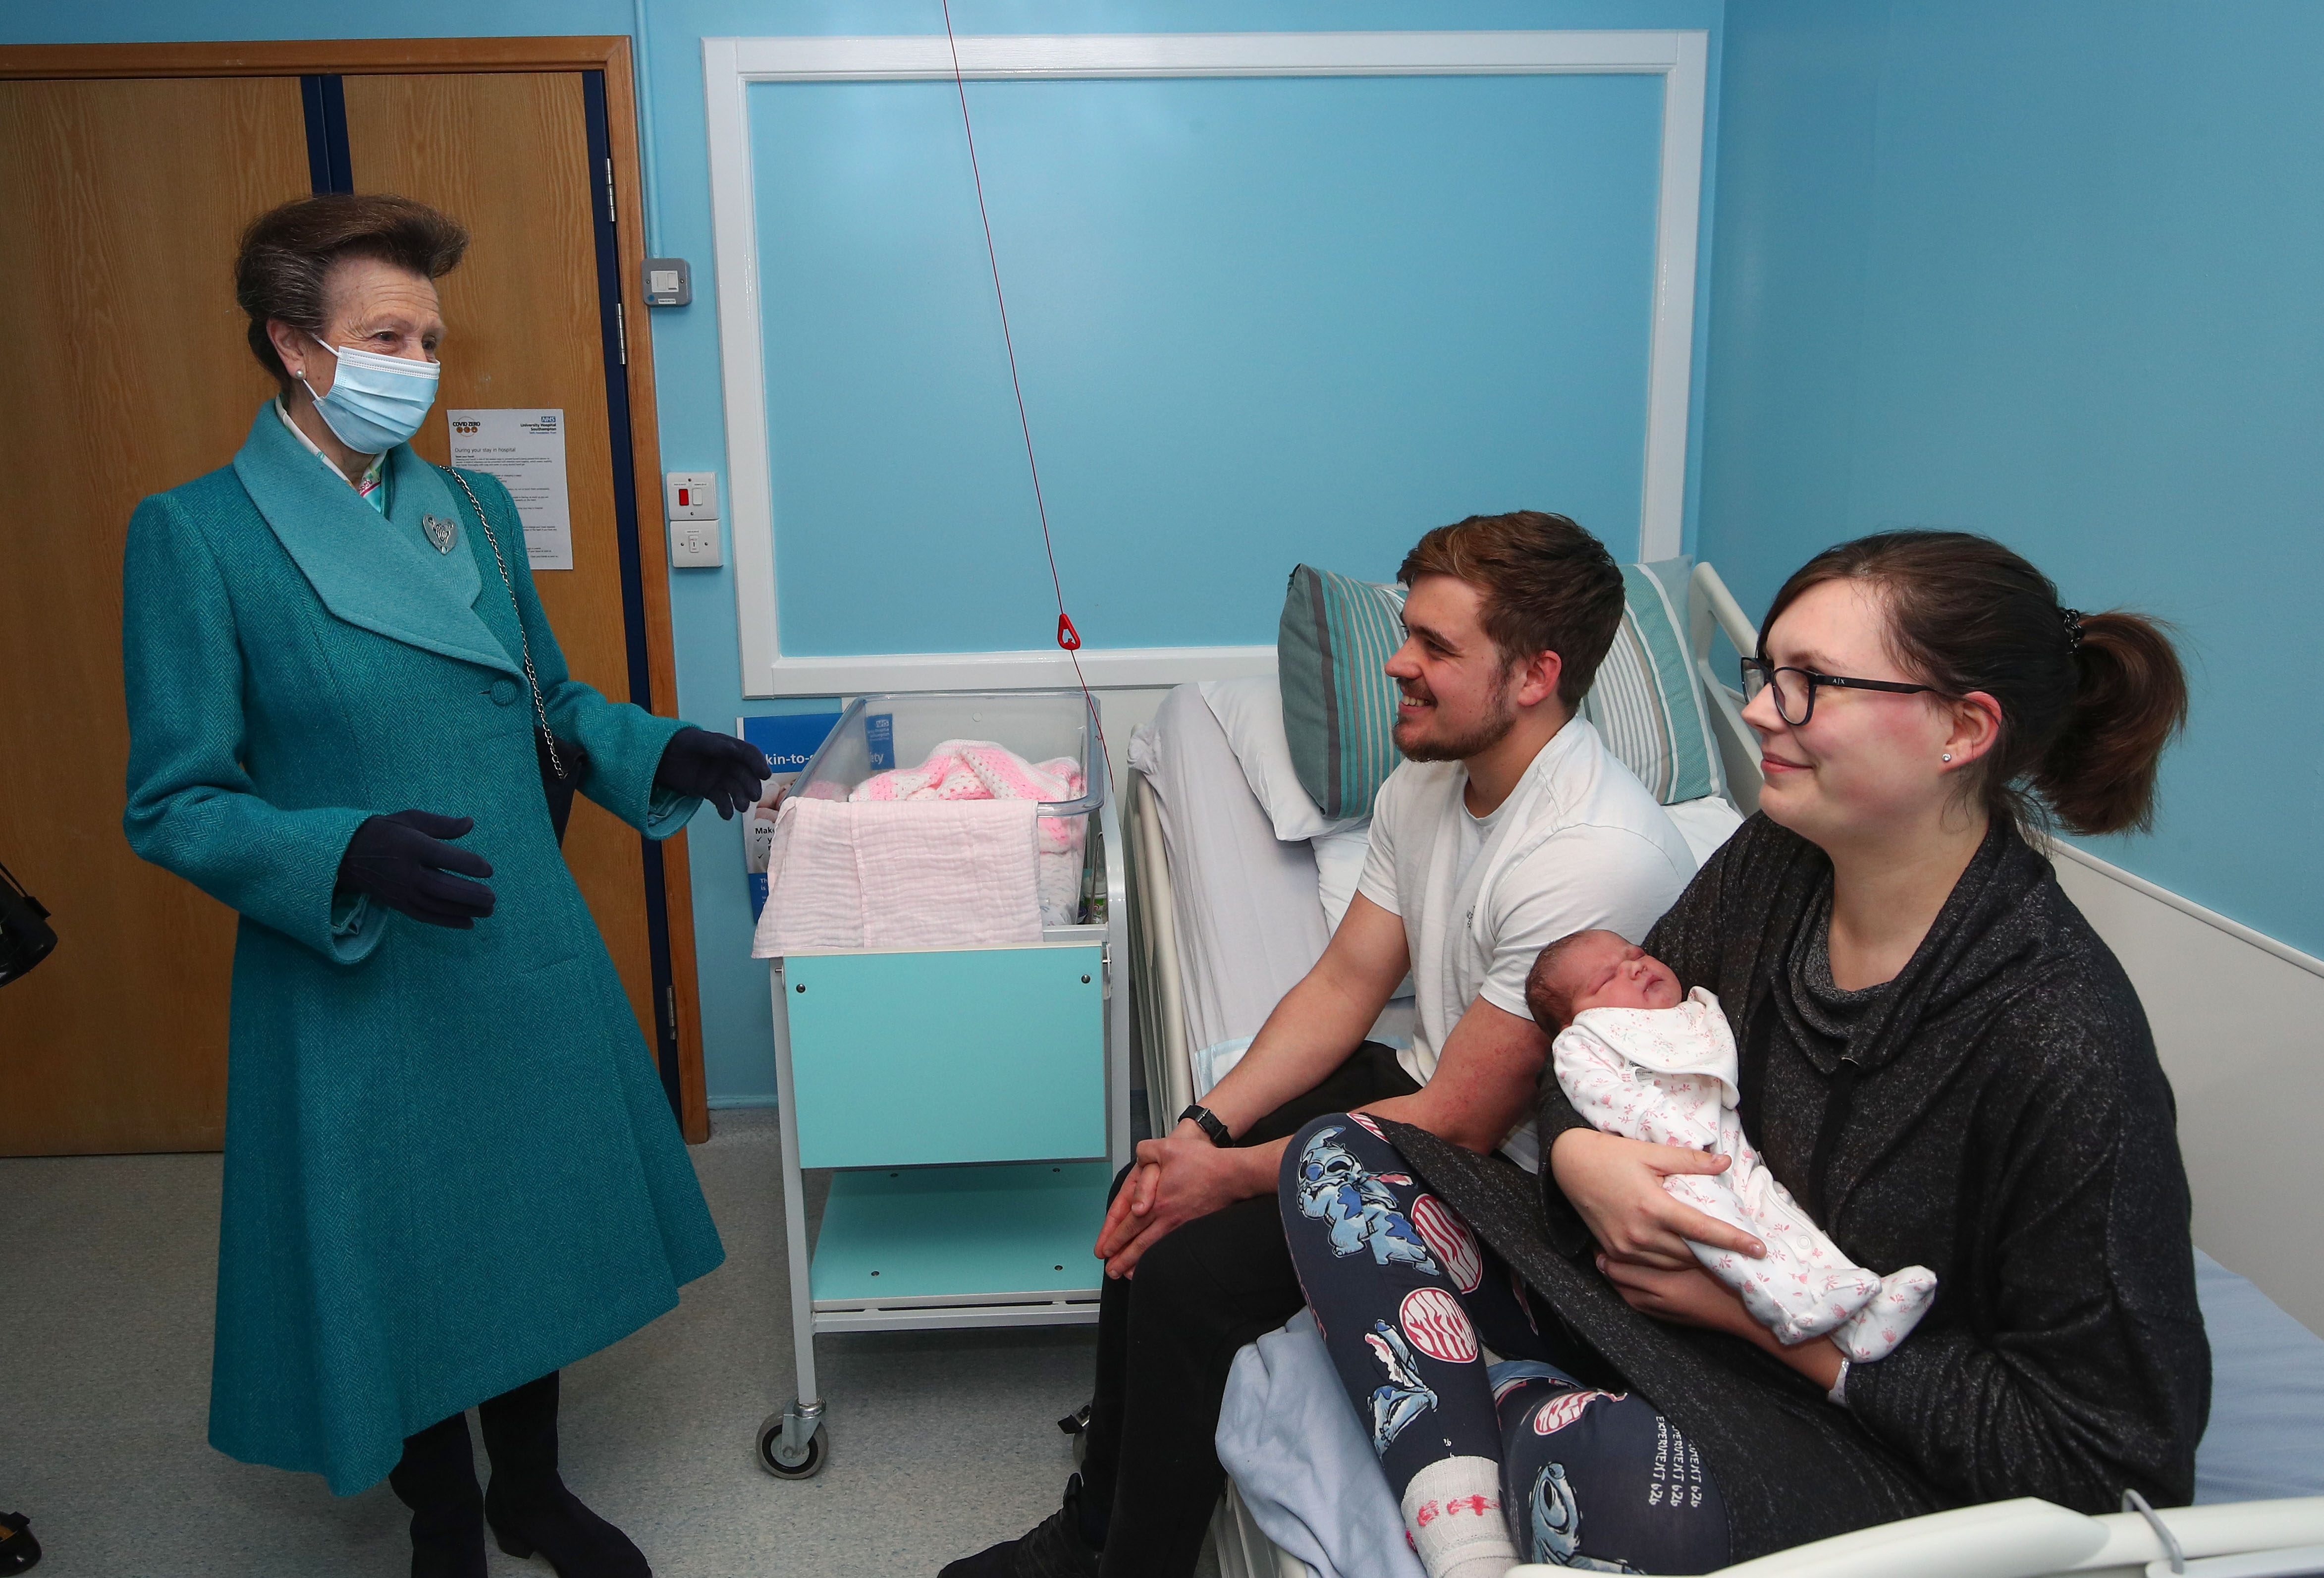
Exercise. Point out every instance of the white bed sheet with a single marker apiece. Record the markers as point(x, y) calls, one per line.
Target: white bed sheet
point(1248, 919)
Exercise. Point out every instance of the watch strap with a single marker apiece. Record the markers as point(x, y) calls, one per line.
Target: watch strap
point(1208, 1122)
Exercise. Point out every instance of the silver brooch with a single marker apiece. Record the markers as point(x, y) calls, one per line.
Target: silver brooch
point(440, 532)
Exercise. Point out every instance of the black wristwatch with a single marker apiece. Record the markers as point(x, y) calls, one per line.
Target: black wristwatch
point(1208, 1122)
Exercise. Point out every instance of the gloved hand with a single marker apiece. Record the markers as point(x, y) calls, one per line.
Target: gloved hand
point(403, 862)
point(719, 767)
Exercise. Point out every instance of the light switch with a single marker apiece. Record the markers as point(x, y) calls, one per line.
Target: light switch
point(669, 281)
point(694, 545)
point(692, 495)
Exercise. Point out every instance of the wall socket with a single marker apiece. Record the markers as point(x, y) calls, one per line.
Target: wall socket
point(691, 495)
point(694, 545)
point(691, 501)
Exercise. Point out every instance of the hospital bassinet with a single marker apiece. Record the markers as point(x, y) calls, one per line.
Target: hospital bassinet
point(975, 1102)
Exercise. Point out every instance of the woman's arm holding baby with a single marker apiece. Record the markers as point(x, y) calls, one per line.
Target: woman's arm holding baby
point(1694, 1297)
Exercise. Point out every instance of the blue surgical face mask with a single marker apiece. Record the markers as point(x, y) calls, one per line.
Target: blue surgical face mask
point(375, 402)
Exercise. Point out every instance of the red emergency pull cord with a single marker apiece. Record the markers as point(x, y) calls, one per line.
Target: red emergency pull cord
point(1068, 637)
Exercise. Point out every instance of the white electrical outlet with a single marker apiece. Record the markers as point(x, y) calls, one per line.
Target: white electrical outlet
point(694, 545)
point(692, 495)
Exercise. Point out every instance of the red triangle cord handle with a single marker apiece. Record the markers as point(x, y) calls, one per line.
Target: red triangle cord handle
point(1067, 636)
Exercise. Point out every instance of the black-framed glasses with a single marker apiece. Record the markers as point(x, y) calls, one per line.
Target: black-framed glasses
point(1795, 688)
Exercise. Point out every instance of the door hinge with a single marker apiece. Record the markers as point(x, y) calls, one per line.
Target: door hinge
point(622, 332)
point(610, 217)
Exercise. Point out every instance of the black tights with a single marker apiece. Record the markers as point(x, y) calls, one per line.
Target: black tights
point(1167, 1336)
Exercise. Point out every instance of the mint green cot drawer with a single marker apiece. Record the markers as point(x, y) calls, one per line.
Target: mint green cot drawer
point(973, 1055)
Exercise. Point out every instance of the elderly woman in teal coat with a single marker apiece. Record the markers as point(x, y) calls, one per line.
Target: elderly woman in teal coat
point(451, 1168)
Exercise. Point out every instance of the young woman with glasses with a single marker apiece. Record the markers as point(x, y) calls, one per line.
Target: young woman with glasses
point(1939, 1059)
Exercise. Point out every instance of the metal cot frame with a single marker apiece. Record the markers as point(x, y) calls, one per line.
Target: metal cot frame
point(2026, 1538)
point(792, 1443)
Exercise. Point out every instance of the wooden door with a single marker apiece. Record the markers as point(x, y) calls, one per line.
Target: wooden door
point(507, 154)
point(124, 373)
point(126, 174)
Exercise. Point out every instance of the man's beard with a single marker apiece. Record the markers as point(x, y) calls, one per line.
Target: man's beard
point(1500, 717)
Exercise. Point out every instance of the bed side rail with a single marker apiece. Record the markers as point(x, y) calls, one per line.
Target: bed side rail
point(1712, 611)
point(2032, 1538)
point(1157, 992)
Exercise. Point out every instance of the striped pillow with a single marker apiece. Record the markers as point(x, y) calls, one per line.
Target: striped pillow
point(1645, 701)
point(1339, 708)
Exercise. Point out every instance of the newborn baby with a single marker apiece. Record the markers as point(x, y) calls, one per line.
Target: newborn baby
point(1638, 1059)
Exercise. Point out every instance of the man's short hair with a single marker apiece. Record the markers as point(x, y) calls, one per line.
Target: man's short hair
point(285, 267)
point(1549, 1007)
point(1548, 585)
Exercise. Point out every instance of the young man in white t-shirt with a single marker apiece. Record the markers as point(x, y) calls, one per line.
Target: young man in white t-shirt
point(1509, 826)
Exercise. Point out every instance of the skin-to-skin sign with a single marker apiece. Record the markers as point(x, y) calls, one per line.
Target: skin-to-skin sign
point(372, 306)
point(1882, 783)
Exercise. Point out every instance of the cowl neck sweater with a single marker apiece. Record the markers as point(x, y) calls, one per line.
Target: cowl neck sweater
point(1996, 1114)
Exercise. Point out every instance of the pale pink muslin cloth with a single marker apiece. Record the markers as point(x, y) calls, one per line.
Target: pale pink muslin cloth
point(978, 769)
point(1668, 1076)
point(933, 875)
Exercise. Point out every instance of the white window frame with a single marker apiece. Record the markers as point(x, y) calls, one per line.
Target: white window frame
point(729, 65)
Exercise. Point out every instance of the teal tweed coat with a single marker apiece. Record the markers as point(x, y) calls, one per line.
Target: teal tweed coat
point(449, 1164)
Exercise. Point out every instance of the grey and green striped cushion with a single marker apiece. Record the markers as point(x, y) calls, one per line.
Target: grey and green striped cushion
point(1645, 701)
point(1339, 708)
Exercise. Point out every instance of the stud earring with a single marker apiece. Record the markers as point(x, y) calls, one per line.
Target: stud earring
point(1949, 756)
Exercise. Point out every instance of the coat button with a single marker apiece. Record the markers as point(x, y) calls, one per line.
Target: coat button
point(503, 692)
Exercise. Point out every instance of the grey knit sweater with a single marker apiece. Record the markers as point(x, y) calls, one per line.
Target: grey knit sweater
point(1996, 1115)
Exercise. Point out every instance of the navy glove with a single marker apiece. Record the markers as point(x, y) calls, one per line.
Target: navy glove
point(718, 768)
point(403, 862)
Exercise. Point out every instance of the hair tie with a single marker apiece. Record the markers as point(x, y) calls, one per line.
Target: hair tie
point(2072, 619)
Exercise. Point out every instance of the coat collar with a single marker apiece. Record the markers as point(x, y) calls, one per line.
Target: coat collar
point(383, 576)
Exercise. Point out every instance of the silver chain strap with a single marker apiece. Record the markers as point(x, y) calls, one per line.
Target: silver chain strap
point(523, 646)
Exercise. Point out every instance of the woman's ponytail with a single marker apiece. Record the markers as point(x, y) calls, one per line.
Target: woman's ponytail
point(2130, 697)
point(2087, 701)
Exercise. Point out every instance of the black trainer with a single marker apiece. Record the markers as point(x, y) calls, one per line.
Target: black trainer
point(1053, 1549)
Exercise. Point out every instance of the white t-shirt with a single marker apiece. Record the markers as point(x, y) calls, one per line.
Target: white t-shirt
point(1579, 845)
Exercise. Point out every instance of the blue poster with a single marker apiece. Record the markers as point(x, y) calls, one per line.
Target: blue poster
point(790, 741)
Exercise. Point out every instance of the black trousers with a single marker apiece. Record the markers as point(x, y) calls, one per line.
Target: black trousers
point(1167, 1337)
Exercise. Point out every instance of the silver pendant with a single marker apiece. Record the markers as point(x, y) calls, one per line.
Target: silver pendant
point(440, 532)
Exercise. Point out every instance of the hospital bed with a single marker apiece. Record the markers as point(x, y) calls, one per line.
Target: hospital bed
point(1224, 916)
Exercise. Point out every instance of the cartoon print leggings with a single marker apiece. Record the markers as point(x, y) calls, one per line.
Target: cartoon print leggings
point(1407, 1296)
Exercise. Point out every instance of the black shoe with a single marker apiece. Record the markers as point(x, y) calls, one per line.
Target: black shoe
point(527, 1505)
point(576, 1541)
point(1053, 1549)
point(19, 1551)
point(438, 1480)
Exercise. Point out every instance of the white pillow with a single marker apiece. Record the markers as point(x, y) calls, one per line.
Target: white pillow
point(1250, 712)
point(1705, 823)
point(1338, 866)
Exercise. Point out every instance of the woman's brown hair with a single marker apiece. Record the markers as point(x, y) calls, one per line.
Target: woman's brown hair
point(283, 269)
point(2087, 700)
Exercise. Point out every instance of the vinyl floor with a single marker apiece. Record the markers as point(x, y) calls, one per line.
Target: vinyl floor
point(942, 1443)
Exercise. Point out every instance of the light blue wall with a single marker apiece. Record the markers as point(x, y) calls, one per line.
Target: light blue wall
point(738, 1053)
point(1258, 321)
point(2050, 270)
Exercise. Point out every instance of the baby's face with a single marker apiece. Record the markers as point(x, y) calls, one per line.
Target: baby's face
point(1603, 971)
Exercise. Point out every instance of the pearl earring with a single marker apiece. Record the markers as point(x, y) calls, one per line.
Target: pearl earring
point(1949, 756)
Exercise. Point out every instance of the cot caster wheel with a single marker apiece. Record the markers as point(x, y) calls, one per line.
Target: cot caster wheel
point(785, 1460)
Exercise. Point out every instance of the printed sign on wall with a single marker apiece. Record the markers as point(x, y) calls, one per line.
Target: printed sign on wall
point(526, 450)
